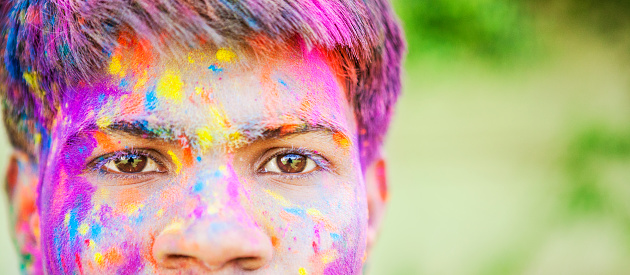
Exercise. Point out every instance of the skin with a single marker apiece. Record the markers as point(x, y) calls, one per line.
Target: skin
point(210, 124)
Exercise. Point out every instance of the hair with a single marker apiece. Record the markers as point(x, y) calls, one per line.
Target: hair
point(49, 44)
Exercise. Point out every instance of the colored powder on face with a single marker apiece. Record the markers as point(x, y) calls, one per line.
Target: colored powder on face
point(341, 140)
point(214, 208)
point(112, 256)
point(133, 208)
point(198, 187)
point(215, 68)
point(289, 129)
point(219, 117)
point(318, 217)
point(282, 82)
point(225, 55)
point(132, 104)
point(103, 122)
point(170, 86)
point(104, 141)
point(279, 198)
point(335, 237)
point(141, 82)
point(96, 230)
point(188, 158)
point(66, 220)
point(150, 100)
point(302, 271)
point(275, 242)
point(235, 138)
point(83, 229)
point(295, 211)
point(329, 256)
point(205, 138)
point(176, 161)
point(98, 258)
point(313, 212)
point(115, 66)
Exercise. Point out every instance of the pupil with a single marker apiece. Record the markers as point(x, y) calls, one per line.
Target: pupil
point(131, 163)
point(291, 163)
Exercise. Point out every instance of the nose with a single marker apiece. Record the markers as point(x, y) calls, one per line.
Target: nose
point(212, 245)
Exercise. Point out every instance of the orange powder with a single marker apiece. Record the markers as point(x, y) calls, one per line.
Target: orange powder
point(341, 140)
point(112, 256)
point(128, 200)
point(275, 241)
point(104, 141)
point(188, 157)
point(288, 129)
point(132, 104)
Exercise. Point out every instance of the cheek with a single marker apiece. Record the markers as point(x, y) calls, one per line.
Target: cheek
point(327, 227)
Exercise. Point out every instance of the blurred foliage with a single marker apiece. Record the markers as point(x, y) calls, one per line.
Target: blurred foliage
point(591, 150)
point(492, 30)
point(608, 18)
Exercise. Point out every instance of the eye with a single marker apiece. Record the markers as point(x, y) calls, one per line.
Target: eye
point(131, 164)
point(290, 163)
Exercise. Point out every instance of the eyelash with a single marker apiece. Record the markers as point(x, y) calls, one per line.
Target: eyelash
point(98, 164)
point(319, 160)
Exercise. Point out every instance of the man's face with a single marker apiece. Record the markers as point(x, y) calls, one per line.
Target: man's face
point(213, 161)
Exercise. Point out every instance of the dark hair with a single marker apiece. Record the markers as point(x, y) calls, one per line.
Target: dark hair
point(49, 44)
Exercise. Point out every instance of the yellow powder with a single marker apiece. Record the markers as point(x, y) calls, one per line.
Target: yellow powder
point(279, 198)
point(205, 137)
point(98, 258)
point(219, 117)
point(37, 138)
point(32, 80)
point(132, 208)
point(141, 81)
point(83, 229)
point(176, 161)
point(225, 55)
point(170, 86)
point(115, 66)
point(103, 122)
point(302, 271)
point(313, 212)
point(329, 256)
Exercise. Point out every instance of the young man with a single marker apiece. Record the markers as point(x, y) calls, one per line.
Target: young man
point(198, 136)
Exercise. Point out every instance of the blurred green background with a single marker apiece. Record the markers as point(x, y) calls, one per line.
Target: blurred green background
point(510, 149)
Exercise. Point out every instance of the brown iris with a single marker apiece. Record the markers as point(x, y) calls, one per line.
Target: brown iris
point(291, 163)
point(131, 163)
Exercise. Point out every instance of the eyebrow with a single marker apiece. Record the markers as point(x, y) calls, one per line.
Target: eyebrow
point(295, 129)
point(144, 130)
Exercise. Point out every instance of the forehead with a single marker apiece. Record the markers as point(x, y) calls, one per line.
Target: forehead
point(215, 92)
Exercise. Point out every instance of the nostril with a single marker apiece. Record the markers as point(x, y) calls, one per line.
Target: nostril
point(176, 257)
point(231, 248)
point(177, 261)
point(250, 263)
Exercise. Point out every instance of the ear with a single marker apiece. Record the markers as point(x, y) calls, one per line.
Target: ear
point(376, 187)
point(21, 187)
